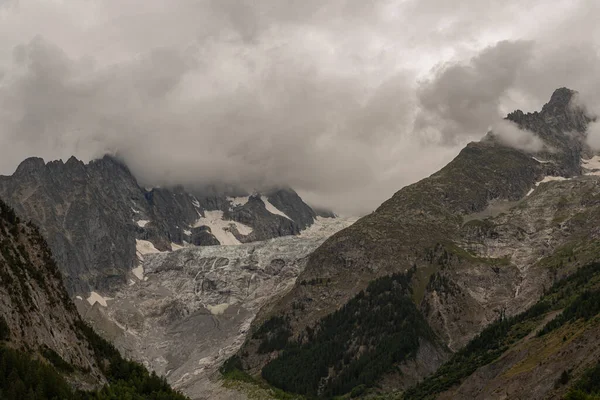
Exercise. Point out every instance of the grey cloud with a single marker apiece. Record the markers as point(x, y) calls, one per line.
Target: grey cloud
point(510, 135)
point(462, 100)
point(335, 99)
point(593, 138)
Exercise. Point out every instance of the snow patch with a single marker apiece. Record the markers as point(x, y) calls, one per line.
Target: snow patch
point(592, 165)
point(221, 228)
point(548, 179)
point(238, 201)
point(79, 297)
point(142, 223)
point(325, 227)
point(176, 246)
point(135, 211)
point(138, 272)
point(272, 209)
point(196, 203)
point(188, 232)
point(96, 298)
point(551, 179)
point(144, 247)
point(541, 161)
point(219, 309)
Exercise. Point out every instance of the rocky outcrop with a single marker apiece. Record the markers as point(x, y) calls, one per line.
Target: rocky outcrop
point(292, 205)
point(265, 224)
point(92, 214)
point(202, 236)
point(561, 124)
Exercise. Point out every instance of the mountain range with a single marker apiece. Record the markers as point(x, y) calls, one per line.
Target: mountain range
point(95, 215)
point(480, 281)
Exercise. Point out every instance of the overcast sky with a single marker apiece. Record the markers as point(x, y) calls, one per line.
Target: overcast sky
point(344, 100)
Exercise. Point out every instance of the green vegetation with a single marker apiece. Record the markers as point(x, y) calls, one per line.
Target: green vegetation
point(351, 348)
point(587, 387)
point(127, 379)
point(575, 294)
point(586, 306)
point(24, 378)
point(234, 377)
point(55, 359)
point(274, 335)
point(4, 329)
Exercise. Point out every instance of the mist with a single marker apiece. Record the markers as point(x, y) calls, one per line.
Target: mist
point(345, 101)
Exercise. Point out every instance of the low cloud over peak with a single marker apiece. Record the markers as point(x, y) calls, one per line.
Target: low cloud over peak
point(345, 102)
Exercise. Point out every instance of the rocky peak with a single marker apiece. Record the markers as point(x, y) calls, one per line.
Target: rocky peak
point(561, 124)
point(561, 113)
point(560, 101)
point(30, 166)
point(288, 201)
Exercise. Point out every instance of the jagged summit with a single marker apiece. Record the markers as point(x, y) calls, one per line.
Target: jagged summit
point(29, 165)
point(560, 114)
point(560, 101)
point(561, 125)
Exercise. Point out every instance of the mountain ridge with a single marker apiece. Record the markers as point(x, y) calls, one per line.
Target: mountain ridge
point(94, 215)
point(466, 275)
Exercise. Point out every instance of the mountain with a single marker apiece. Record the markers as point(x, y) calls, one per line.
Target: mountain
point(478, 241)
point(97, 219)
point(46, 350)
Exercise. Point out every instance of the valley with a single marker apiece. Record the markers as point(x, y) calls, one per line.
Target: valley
point(192, 308)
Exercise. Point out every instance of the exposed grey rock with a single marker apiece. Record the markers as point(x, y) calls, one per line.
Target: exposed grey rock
point(85, 213)
point(292, 205)
point(561, 124)
point(202, 236)
point(265, 224)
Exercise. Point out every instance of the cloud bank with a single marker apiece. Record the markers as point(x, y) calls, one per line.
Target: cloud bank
point(346, 100)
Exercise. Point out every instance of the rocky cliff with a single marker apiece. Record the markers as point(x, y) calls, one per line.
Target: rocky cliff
point(35, 311)
point(485, 236)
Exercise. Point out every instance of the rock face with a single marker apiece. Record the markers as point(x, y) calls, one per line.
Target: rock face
point(34, 305)
point(486, 235)
point(193, 307)
point(91, 215)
